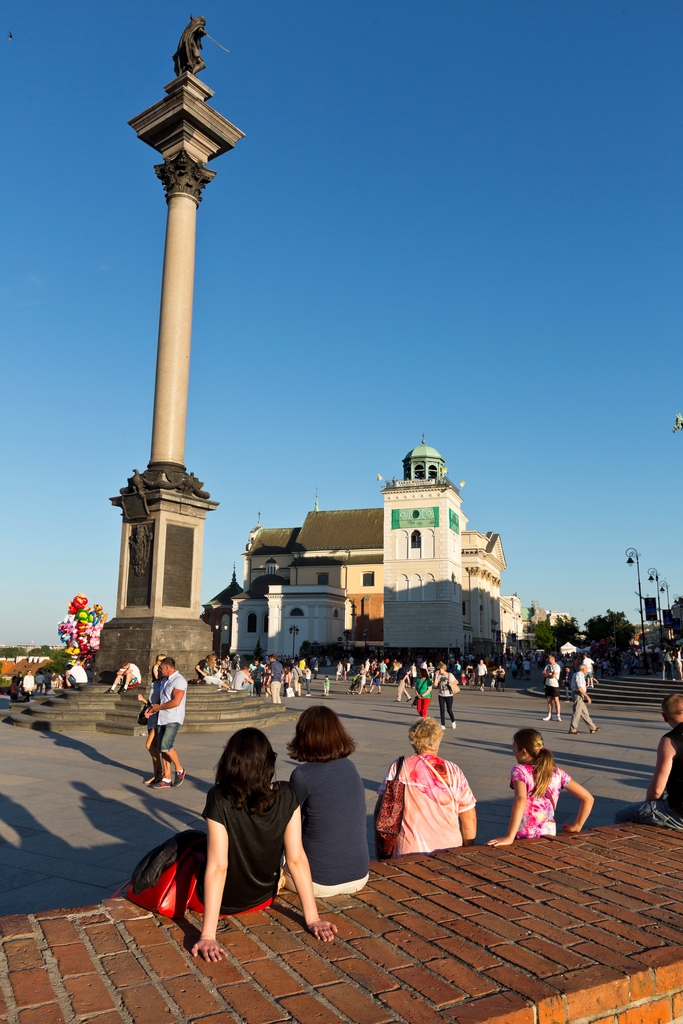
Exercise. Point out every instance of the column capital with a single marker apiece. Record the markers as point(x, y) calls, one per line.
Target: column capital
point(183, 175)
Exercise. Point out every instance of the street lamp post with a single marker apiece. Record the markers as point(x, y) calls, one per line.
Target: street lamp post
point(632, 557)
point(652, 577)
point(294, 631)
point(677, 601)
point(662, 586)
point(365, 641)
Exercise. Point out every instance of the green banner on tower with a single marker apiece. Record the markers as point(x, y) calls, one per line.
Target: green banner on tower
point(454, 520)
point(403, 518)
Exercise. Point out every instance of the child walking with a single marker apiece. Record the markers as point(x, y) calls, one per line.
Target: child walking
point(537, 782)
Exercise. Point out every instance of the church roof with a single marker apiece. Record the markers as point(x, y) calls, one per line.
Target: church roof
point(261, 585)
point(423, 451)
point(225, 597)
point(276, 541)
point(347, 528)
point(374, 558)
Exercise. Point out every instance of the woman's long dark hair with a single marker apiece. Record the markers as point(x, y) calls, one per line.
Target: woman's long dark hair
point(245, 771)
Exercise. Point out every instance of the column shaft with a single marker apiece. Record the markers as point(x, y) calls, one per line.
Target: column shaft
point(175, 332)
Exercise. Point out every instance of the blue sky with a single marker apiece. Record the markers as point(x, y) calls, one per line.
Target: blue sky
point(456, 218)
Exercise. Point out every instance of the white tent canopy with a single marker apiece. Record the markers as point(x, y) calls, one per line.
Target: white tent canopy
point(568, 649)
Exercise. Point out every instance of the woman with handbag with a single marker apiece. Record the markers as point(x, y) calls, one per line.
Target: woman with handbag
point(447, 686)
point(429, 804)
point(423, 686)
point(251, 820)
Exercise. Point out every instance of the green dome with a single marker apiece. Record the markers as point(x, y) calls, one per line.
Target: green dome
point(423, 451)
point(424, 463)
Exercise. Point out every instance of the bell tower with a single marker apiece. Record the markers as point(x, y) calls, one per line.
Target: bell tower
point(423, 523)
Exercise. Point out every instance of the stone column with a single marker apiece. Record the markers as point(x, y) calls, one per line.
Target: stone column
point(183, 179)
point(164, 507)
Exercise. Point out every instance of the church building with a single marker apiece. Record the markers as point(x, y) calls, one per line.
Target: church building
point(408, 574)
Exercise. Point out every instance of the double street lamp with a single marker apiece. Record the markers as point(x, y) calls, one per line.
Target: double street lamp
point(633, 558)
point(293, 631)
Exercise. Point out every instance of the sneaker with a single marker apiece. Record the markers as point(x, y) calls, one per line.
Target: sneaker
point(547, 718)
point(452, 725)
point(179, 777)
point(162, 784)
point(559, 719)
point(443, 727)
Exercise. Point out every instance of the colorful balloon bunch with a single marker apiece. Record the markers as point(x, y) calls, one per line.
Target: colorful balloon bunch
point(81, 628)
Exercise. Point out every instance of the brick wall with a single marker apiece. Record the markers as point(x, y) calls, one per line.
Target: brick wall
point(585, 929)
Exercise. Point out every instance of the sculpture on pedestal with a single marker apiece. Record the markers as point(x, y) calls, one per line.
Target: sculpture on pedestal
point(187, 56)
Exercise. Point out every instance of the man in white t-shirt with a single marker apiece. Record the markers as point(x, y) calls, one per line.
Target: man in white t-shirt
point(128, 675)
point(242, 680)
point(29, 684)
point(171, 715)
point(551, 674)
point(76, 675)
point(588, 664)
point(482, 672)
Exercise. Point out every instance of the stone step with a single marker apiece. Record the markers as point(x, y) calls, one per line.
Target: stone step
point(88, 710)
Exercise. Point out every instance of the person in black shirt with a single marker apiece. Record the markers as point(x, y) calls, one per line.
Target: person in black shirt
point(658, 809)
point(250, 821)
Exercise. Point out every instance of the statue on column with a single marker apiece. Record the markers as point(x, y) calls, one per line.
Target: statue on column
point(187, 57)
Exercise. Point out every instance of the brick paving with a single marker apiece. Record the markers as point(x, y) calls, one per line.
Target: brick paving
point(585, 928)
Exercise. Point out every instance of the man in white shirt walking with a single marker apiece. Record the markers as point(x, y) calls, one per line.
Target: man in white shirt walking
point(581, 698)
point(171, 715)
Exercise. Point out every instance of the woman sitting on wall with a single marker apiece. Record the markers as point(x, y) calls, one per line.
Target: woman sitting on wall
point(332, 799)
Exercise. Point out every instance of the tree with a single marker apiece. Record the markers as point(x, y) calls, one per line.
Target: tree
point(258, 651)
point(544, 635)
point(565, 630)
point(614, 625)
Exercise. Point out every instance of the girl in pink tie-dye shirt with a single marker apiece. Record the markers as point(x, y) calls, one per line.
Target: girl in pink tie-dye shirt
point(537, 783)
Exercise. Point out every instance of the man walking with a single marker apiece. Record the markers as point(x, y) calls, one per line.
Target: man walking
point(276, 673)
point(482, 672)
point(581, 698)
point(658, 809)
point(551, 674)
point(171, 715)
point(405, 680)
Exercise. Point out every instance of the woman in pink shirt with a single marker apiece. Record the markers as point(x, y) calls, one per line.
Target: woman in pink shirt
point(438, 804)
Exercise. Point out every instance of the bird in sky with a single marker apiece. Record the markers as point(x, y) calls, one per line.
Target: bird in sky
point(10, 36)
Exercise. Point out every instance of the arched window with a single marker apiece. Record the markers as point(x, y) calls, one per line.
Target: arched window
point(419, 471)
point(416, 539)
point(433, 473)
point(296, 611)
point(428, 544)
point(429, 589)
point(271, 566)
point(251, 622)
point(401, 543)
point(335, 613)
point(415, 591)
point(265, 624)
point(402, 588)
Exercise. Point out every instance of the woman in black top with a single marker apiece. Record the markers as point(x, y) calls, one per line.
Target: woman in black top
point(332, 799)
point(250, 820)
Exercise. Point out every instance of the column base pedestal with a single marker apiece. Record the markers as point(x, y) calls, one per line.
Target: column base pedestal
point(141, 640)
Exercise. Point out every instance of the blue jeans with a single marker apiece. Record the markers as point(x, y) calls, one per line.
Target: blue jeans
point(650, 812)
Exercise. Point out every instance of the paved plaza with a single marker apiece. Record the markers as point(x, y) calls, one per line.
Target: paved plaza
point(75, 817)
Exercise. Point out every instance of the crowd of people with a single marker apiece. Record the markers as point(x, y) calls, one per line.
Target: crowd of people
point(27, 685)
